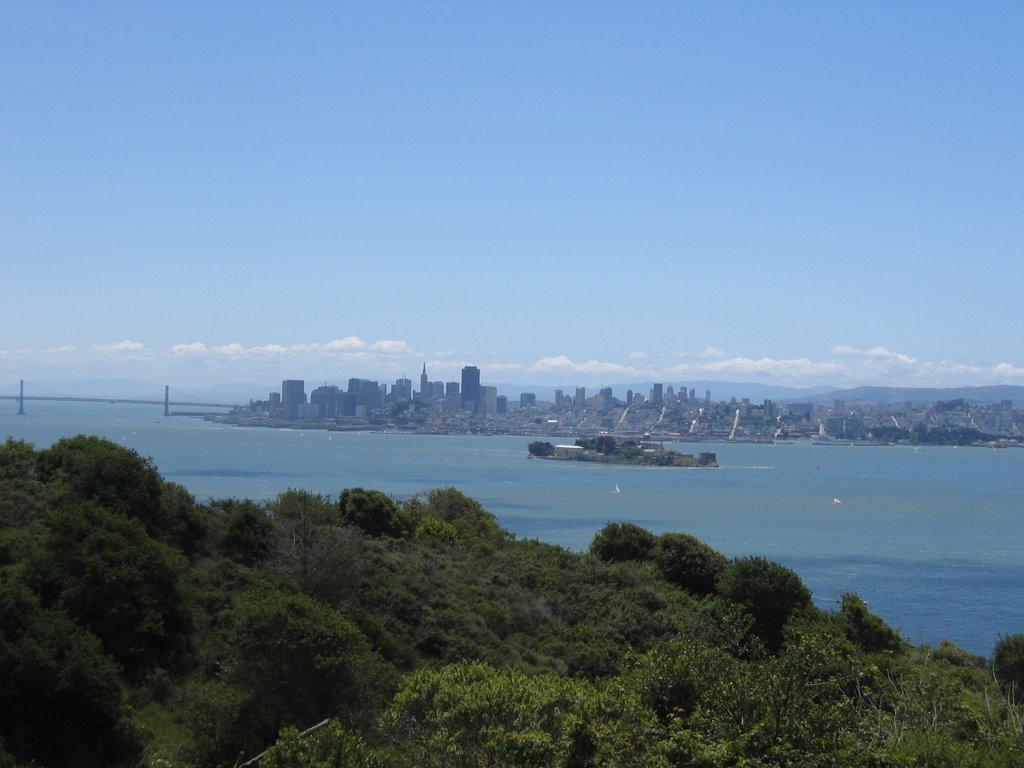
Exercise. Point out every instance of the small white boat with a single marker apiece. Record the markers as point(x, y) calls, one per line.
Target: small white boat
point(616, 489)
point(836, 501)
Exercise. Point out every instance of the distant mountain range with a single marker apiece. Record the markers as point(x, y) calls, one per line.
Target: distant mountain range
point(991, 394)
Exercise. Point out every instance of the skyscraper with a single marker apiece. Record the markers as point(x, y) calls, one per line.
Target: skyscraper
point(470, 388)
point(425, 391)
point(402, 390)
point(580, 401)
point(293, 394)
point(657, 395)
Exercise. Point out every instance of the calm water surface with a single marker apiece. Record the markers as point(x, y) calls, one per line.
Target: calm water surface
point(931, 538)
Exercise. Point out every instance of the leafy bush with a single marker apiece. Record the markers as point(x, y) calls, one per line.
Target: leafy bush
point(374, 512)
point(329, 747)
point(1008, 665)
point(865, 629)
point(619, 542)
point(116, 581)
point(285, 660)
point(689, 563)
point(60, 696)
point(769, 591)
point(249, 532)
point(100, 471)
point(540, 448)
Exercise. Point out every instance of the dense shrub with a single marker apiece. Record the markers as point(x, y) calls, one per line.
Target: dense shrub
point(865, 629)
point(1008, 665)
point(285, 660)
point(61, 700)
point(618, 542)
point(689, 563)
point(769, 591)
point(374, 512)
point(98, 470)
point(116, 581)
point(249, 532)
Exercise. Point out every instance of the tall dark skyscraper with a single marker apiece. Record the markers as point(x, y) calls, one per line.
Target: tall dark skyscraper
point(293, 394)
point(425, 393)
point(470, 388)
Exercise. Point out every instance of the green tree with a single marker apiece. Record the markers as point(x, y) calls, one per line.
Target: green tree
point(249, 532)
point(374, 512)
point(97, 470)
point(285, 660)
point(769, 591)
point(618, 542)
point(332, 746)
point(866, 630)
point(60, 697)
point(689, 563)
point(110, 576)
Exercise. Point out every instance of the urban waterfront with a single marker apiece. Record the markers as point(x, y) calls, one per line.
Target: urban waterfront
point(929, 536)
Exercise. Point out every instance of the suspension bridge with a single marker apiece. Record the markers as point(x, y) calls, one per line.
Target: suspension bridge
point(190, 401)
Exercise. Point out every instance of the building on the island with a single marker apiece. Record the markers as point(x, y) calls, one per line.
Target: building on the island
point(568, 451)
point(293, 394)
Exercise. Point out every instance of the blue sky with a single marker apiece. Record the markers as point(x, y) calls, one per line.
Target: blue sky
point(799, 193)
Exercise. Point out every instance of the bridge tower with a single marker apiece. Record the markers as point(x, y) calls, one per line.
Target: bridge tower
point(167, 400)
point(21, 397)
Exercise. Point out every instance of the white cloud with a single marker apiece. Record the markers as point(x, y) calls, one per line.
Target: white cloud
point(392, 347)
point(885, 354)
point(637, 355)
point(710, 351)
point(845, 350)
point(121, 346)
point(194, 348)
point(565, 365)
point(347, 344)
point(231, 350)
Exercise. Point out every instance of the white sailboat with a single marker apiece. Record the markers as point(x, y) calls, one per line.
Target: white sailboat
point(616, 489)
point(836, 501)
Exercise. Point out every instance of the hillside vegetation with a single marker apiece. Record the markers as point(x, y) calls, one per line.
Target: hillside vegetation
point(140, 628)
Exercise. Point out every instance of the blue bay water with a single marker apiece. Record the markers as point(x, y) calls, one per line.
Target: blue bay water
point(931, 538)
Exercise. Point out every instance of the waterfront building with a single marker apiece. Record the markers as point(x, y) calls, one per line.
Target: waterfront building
point(293, 394)
point(470, 388)
point(328, 400)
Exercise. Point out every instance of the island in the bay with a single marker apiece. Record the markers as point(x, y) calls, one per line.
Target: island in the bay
point(608, 449)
